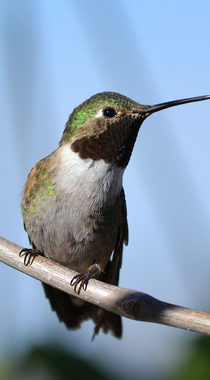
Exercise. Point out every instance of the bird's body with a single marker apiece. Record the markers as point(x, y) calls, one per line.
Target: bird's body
point(78, 211)
point(74, 208)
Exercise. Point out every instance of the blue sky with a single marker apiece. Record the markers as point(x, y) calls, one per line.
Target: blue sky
point(53, 56)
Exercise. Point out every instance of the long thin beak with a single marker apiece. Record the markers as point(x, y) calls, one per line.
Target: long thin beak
point(162, 106)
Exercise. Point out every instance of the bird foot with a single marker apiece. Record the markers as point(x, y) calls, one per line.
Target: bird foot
point(29, 255)
point(82, 279)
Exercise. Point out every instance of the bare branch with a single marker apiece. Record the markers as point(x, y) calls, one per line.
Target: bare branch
point(128, 303)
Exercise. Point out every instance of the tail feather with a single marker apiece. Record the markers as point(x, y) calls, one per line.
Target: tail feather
point(73, 315)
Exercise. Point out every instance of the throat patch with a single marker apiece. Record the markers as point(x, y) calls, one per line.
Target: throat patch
point(114, 145)
point(95, 148)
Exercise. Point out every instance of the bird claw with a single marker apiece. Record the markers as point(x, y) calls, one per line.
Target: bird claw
point(29, 255)
point(80, 279)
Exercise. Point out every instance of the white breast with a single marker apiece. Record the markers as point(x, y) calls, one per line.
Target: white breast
point(94, 181)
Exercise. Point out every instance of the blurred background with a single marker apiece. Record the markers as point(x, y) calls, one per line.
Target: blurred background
point(53, 56)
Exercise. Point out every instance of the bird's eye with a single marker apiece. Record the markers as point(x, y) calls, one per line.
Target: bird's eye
point(109, 112)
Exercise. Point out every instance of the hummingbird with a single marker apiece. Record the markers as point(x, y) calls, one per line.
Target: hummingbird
point(74, 207)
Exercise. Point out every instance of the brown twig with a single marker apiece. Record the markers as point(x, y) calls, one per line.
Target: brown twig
point(128, 303)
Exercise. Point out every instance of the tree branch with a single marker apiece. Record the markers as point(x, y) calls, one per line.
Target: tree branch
point(127, 303)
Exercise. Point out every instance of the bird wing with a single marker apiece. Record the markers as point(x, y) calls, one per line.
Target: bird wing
point(112, 269)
